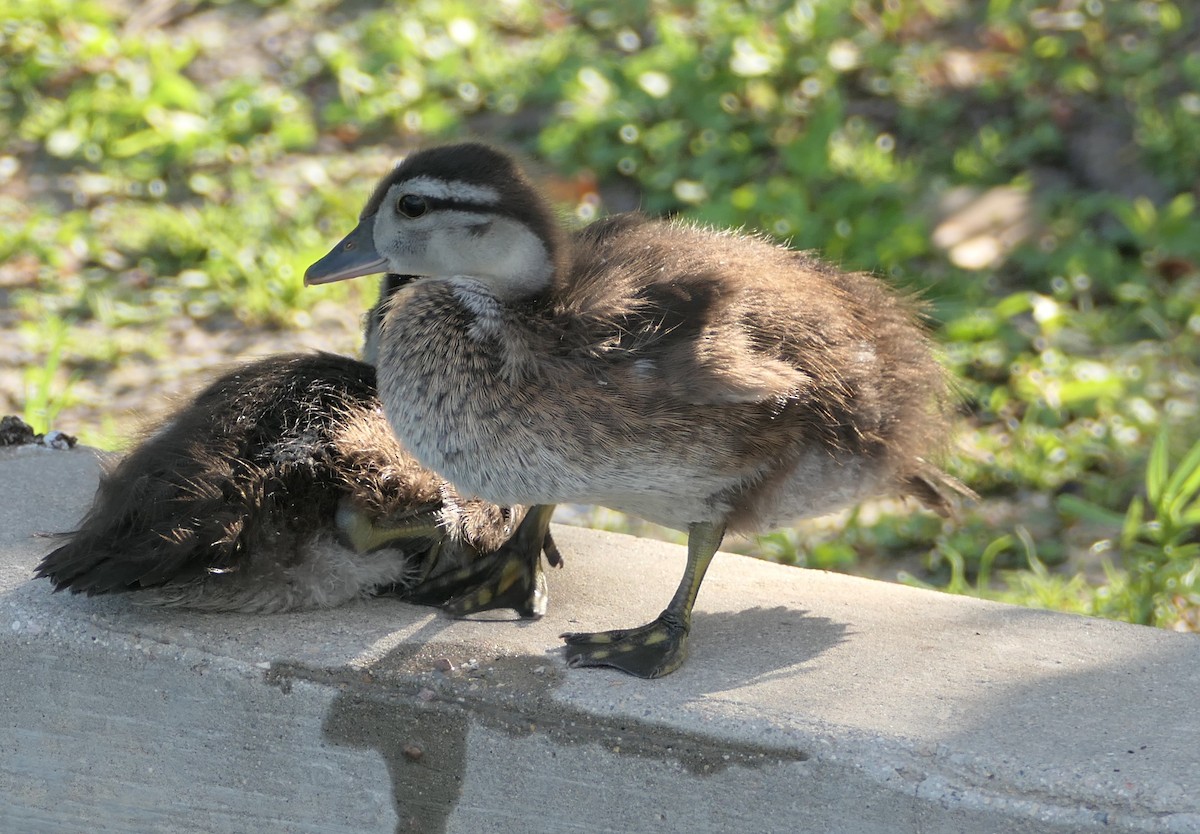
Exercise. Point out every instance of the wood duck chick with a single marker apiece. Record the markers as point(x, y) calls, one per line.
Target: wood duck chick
point(705, 380)
point(280, 487)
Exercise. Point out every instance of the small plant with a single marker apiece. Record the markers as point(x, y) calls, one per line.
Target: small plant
point(1156, 580)
point(43, 400)
point(1160, 541)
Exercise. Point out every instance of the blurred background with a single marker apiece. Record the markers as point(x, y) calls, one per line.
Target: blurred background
point(169, 168)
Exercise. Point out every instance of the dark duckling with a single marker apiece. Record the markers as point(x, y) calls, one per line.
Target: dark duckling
point(280, 487)
point(707, 380)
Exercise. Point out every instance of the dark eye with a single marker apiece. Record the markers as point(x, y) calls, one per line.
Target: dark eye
point(410, 205)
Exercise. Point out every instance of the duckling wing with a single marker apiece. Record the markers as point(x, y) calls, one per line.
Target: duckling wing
point(151, 526)
point(682, 310)
point(695, 343)
point(779, 342)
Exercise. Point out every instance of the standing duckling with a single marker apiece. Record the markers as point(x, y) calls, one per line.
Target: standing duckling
point(280, 487)
point(705, 380)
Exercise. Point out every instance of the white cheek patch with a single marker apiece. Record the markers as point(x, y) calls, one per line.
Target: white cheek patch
point(400, 242)
point(456, 190)
point(465, 218)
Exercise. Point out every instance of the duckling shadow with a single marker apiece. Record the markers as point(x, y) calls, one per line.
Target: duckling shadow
point(425, 752)
point(758, 645)
point(424, 743)
point(423, 740)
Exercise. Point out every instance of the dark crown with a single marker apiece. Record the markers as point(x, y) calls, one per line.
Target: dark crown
point(472, 163)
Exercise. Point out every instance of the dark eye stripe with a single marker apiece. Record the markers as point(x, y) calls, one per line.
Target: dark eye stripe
point(441, 203)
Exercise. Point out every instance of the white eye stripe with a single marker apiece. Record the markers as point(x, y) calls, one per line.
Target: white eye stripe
point(450, 190)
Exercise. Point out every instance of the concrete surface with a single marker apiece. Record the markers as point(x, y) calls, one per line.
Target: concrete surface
point(812, 702)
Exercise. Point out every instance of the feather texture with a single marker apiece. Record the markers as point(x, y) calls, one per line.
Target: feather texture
point(231, 504)
point(683, 374)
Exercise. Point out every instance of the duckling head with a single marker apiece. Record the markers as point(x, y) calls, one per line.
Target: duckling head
point(457, 210)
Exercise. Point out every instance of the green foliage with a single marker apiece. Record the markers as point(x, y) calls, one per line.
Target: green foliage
point(43, 398)
point(191, 165)
point(1160, 539)
point(1155, 579)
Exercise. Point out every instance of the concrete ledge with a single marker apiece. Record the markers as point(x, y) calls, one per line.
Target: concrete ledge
point(812, 702)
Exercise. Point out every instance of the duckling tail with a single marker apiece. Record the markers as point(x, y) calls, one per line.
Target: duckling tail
point(937, 490)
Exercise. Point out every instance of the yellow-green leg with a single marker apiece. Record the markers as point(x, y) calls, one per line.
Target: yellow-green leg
point(418, 534)
point(660, 647)
point(363, 535)
point(512, 577)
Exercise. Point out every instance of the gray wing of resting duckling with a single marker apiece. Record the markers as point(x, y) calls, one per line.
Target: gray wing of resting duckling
point(706, 380)
point(280, 487)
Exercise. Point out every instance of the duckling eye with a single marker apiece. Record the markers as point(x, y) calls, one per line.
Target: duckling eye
point(410, 205)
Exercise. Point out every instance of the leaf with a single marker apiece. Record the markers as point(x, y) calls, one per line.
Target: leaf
point(983, 578)
point(1133, 522)
point(1015, 304)
point(1035, 564)
point(1078, 391)
point(1080, 508)
point(137, 143)
point(1156, 469)
point(1184, 484)
point(1183, 552)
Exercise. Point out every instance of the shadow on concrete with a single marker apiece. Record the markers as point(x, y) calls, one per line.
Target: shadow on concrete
point(741, 647)
point(423, 736)
point(425, 751)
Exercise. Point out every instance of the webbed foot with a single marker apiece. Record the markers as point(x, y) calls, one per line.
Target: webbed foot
point(512, 577)
point(649, 651)
point(660, 647)
point(504, 579)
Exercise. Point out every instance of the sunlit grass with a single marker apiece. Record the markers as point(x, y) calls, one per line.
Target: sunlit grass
point(181, 175)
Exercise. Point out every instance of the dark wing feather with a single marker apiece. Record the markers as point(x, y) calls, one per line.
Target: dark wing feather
point(784, 343)
point(257, 462)
point(641, 292)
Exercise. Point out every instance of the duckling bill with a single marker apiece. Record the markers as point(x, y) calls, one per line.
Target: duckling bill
point(707, 380)
point(279, 487)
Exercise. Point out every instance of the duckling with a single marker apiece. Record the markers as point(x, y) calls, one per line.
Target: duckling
point(710, 381)
point(281, 487)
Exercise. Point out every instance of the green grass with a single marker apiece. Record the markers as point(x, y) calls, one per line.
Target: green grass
point(45, 395)
point(191, 168)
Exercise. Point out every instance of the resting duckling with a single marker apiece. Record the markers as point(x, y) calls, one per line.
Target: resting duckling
point(709, 381)
point(280, 487)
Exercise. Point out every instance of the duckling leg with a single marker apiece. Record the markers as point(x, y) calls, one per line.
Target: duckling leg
point(512, 577)
point(363, 535)
point(660, 647)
